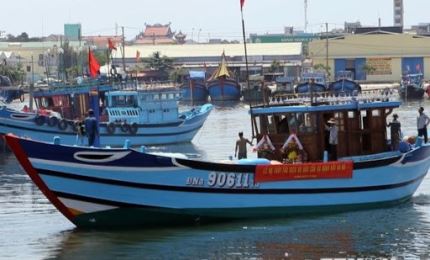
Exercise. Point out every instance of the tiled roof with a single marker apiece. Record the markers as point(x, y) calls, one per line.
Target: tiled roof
point(163, 30)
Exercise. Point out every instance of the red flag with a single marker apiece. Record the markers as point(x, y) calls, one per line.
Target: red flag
point(111, 45)
point(137, 55)
point(242, 2)
point(93, 64)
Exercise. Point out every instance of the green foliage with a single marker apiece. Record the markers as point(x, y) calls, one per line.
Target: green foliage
point(177, 74)
point(158, 62)
point(15, 73)
point(320, 66)
point(275, 66)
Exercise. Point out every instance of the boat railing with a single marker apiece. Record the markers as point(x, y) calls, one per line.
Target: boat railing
point(317, 98)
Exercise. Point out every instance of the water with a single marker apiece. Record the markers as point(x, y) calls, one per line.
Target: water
point(31, 228)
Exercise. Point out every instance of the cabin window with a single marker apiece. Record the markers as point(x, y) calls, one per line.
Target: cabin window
point(156, 97)
point(351, 114)
point(307, 122)
point(123, 101)
point(376, 112)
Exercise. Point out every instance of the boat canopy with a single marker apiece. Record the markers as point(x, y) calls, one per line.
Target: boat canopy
point(222, 70)
point(196, 74)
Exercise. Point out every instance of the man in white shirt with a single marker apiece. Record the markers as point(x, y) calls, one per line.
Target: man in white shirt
point(422, 122)
point(333, 130)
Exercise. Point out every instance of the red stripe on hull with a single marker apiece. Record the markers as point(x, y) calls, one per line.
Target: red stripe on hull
point(13, 143)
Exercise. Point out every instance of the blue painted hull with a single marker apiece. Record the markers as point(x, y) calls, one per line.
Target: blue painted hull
point(97, 187)
point(224, 90)
point(344, 86)
point(182, 130)
point(199, 93)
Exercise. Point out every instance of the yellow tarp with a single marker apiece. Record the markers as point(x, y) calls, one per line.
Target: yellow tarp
point(222, 69)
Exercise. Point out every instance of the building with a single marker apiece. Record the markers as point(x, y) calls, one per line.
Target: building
point(398, 13)
point(374, 57)
point(101, 42)
point(156, 34)
point(207, 56)
point(72, 32)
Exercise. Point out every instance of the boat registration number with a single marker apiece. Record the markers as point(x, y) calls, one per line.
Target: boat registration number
point(230, 180)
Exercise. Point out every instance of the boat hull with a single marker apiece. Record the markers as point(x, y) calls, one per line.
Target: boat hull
point(224, 90)
point(23, 124)
point(411, 91)
point(195, 91)
point(101, 187)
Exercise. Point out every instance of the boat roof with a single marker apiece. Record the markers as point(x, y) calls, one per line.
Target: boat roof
point(78, 89)
point(355, 105)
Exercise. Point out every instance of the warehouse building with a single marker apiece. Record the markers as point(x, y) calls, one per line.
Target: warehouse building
point(375, 56)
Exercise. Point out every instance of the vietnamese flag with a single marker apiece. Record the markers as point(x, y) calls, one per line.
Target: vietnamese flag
point(242, 2)
point(93, 64)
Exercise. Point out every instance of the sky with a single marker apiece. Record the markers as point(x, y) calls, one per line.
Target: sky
point(199, 19)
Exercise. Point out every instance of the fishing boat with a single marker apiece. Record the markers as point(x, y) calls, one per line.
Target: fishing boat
point(257, 91)
point(9, 93)
point(107, 187)
point(312, 82)
point(221, 85)
point(284, 85)
point(144, 117)
point(344, 83)
point(194, 88)
point(411, 86)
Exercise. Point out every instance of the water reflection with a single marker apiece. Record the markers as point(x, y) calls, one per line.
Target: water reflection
point(396, 231)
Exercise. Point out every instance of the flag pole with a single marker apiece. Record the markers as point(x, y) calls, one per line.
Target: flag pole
point(246, 60)
point(244, 45)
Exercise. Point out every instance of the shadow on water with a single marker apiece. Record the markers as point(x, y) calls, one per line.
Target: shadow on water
point(388, 232)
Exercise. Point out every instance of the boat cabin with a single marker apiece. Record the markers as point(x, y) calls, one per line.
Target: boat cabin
point(71, 102)
point(142, 107)
point(360, 119)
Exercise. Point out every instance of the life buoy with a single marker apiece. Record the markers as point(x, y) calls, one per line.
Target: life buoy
point(133, 128)
point(110, 128)
point(125, 127)
point(62, 125)
point(39, 120)
point(52, 121)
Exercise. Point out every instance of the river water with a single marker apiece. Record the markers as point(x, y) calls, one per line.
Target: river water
point(31, 228)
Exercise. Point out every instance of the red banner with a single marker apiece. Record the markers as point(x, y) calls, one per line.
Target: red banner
point(303, 171)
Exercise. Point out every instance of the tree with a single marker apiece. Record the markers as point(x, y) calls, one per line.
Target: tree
point(15, 73)
point(275, 66)
point(162, 64)
point(177, 74)
point(320, 66)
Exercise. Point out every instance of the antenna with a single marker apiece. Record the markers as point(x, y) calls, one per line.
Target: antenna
point(306, 15)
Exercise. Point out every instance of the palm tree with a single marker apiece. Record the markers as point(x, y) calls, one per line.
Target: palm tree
point(162, 64)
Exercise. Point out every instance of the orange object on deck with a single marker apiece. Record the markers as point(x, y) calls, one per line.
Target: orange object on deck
point(301, 171)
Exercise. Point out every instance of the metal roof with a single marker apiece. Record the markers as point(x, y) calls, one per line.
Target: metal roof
point(214, 50)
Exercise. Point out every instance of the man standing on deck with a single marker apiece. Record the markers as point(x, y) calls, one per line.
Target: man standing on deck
point(333, 140)
point(91, 127)
point(422, 122)
point(241, 146)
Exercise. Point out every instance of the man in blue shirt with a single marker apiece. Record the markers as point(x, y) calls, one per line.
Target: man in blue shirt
point(91, 127)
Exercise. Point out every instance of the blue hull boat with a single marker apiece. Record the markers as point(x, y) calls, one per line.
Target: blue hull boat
point(95, 187)
point(194, 88)
point(194, 91)
point(344, 86)
point(224, 90)
point(143, 117)
point(41, 128)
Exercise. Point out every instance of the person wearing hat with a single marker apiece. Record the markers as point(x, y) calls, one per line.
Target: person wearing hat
point(422, 122)
point(395, 132)
point(241, 147)
point(333, 140)
point(91, 127)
